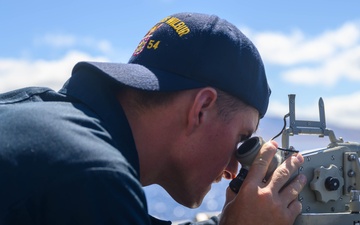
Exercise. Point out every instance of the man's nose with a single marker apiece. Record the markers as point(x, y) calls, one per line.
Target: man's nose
point(231, 170)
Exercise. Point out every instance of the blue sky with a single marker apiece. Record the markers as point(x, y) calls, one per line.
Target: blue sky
point(309, 48)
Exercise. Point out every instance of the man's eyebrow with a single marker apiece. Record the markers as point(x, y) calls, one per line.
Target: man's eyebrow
point(245, 137)
point(250, 132)
point(254, 131)
point(257, 126)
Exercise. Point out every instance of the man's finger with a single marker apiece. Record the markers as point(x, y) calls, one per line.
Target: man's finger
point(283, 173)
point(293, 189)
point(262, 161)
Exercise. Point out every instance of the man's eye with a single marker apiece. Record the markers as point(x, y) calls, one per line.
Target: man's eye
point(244, 138)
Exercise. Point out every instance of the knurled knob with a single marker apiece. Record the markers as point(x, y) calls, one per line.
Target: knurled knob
point(327, 183)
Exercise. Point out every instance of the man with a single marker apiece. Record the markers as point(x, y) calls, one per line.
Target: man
point(193, 89)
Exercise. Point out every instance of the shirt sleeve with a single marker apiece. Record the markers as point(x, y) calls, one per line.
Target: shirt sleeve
point(96, 196)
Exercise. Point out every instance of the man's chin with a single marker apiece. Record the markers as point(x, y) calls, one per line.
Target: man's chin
point(195, 204)
point(194, 201)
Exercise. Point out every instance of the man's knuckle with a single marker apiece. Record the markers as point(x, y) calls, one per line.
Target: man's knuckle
point(284, 172)
point(260, 162)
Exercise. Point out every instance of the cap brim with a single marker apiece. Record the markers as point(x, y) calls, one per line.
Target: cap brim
point(138, 76)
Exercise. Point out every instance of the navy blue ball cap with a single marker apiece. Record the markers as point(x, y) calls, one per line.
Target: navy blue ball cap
point(191, 50)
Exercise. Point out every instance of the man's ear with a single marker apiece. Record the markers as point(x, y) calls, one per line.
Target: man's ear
point(202, 105)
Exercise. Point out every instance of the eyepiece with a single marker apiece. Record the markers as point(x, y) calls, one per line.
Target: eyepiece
point(248, 150)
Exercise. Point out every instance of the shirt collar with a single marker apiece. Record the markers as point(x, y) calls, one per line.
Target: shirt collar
point(99, 94)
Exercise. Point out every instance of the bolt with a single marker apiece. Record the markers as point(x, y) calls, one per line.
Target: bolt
point(351, 157)
point(351, 173)
point(350, 188)
point(347, 207)
point(332, 157)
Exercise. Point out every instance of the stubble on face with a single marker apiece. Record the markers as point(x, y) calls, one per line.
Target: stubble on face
point(212, 153)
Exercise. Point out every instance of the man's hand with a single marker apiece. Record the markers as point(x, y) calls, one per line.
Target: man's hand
point(266, 203)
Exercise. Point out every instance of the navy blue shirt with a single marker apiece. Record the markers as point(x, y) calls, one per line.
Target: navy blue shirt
point(69, 157)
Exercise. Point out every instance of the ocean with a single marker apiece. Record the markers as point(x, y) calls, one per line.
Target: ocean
point(162, 206)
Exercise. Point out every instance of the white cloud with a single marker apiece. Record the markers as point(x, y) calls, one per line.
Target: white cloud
point(104, 46)
point(345, 64)
point(69, 41)
point(344, 109)
point(323, 59)
point(16, 73)
point(330, 58)
point(295, 48)
point(56, 40)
